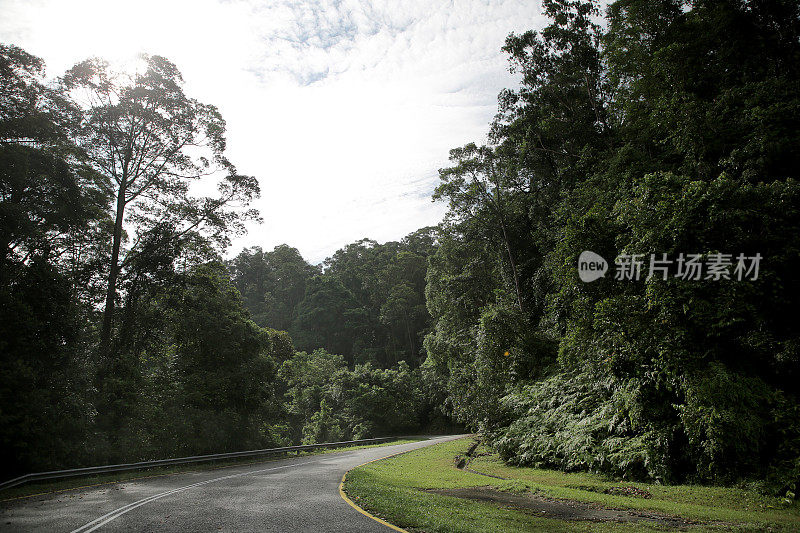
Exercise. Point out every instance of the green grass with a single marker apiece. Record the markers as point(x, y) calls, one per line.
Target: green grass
point(390, 489)
point(33, 489)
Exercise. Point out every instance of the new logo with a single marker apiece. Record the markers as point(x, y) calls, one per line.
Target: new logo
point(591, 266)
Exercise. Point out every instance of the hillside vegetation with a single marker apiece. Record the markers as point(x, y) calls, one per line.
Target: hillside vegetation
point(660, 136)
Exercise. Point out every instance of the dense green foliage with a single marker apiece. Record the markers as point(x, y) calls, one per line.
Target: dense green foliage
point(368, 305)
point(123, 335)
point(327, 401)
point(368, 308)
point(655, 132)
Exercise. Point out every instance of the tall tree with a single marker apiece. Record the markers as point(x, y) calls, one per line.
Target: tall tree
point(47, 204)
point(479, 179)
point(152, 141)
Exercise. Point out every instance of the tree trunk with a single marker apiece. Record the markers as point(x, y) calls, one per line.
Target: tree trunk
point(113, 274)
point(513, 263)
point(410, 338)
point(507, 242)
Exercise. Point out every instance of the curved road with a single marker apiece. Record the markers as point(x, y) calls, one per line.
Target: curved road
point(293, 494)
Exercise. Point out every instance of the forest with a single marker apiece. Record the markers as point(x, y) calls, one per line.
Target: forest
point(129, 330)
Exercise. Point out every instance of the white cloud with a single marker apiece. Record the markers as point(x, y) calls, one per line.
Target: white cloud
point(344, 110)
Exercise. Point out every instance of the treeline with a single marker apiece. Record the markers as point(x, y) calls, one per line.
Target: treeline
point(368, 305)
point(358, 321)
point(123, 335)
point(665, 131)
point(666, 127)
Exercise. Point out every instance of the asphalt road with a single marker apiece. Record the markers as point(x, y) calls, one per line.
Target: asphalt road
point(293, 494)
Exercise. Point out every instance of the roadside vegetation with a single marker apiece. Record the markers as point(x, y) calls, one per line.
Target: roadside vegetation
point(125, 336)
point(411, 491)
point(650, 130)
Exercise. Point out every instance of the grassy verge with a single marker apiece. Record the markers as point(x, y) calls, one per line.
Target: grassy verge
point(116, 477)
point(391, 489)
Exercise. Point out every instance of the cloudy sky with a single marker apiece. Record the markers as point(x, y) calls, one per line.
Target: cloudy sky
point(344, 110)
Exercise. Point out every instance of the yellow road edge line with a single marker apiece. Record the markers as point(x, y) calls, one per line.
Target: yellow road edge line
point(359, 509)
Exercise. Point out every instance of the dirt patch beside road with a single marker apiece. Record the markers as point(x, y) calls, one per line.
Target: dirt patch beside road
point(563, 509)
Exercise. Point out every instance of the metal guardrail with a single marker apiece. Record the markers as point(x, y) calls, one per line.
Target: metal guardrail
point(75, 472)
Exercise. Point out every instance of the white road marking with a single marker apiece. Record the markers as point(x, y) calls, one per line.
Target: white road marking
point(106, 518)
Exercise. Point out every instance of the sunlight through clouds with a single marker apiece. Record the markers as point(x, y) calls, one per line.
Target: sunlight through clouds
point(344, 110)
